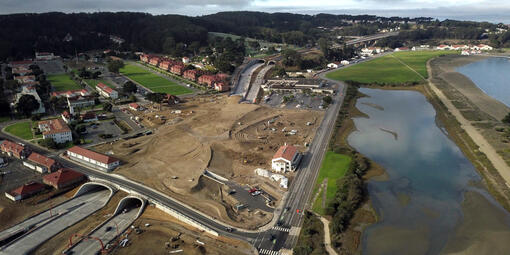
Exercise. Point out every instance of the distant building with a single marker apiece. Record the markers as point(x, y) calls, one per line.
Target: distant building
point(402, 49)
point(25, 191)
point(13, 149)
point(92, 158)
point(443, 47)
point(21, 70)
point(70, 93)
point(44, 56)
point(66, 117)
point(171, 99)
point(286, 159)
point(221, 86)
point(191, 75)
point(106, 91)
point(344, 62)
point(177, 69)
point(334, 65)
point(296, 84)
point(207, 79)
point(135, 107)
point(154, 60)
point(25, 63)
point(79, 102)
point(55, 129)
point(185, 60)
point(24, 79)
point(63, 178)
point(88, 117)
point(40, 163)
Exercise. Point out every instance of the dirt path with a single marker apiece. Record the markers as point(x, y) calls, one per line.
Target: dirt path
point(327, 236)
point(484, 146)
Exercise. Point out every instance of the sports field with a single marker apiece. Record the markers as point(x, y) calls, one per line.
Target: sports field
point(333, 168)
point(396, 68)
point(62, 82)
point(93, 83)
point(152, 81)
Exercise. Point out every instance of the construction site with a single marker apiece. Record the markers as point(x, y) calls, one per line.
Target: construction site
point(218, 136)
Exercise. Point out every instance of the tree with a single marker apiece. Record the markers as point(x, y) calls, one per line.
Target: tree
point(107, 107)
point(27, 104)
point(324, 46)
point(169, 46)
point(327, 100)
point(155, 97)
point(115, 65)
point(129, 87)
point(506, 119)
point(49, 143)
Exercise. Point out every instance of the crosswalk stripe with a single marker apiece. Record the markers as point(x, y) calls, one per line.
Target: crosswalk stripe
point(269, 252)
point(281, 229)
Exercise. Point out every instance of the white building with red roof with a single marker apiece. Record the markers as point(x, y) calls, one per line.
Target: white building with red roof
point(92, 158)
point(55, 129)
point(40, 163)
point(25, 191)
point(70, 93)
point(14, 150)
point(135, 107)
point(286, 159)
point(107, 91)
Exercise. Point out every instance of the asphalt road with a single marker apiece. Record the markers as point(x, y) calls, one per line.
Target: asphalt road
point(255, 87)
point(64, 219)
point(244, 81)
point(107, 232)
point(300, 192)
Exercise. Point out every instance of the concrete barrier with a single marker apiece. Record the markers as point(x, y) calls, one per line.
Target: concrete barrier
point(124, 201)
point(215, 176)
point(184, 218)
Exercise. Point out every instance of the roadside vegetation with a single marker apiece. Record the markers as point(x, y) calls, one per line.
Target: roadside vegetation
point(392, 69)
point(311, 237)
point(153, 81)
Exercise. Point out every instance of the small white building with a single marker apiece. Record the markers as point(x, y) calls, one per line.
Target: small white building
point(55, 129)
point(286, 159)
point(334, 65)
point(344, 62)
point(92, 158)
point(79, 102)
point(185, 60)
point(106, 91)
point(44, 56)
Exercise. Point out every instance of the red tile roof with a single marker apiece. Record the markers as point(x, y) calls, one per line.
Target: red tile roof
point(287, 152)
point(62, 176)
point(27, 189)
point(9, 146)
point(41, 160)
point(54, 126)
point(105, 88)
point(134, 105)
point(92, 155)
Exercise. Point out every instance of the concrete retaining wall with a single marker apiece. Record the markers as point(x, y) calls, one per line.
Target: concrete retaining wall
point(88, 186)
point(123, 202)
point(184, 218)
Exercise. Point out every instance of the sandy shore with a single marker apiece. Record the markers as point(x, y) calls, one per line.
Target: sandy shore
point(463, 84)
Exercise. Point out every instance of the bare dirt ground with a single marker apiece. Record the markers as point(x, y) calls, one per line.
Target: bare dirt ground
point(166, 234)
point(218, 133)
point(60, 242)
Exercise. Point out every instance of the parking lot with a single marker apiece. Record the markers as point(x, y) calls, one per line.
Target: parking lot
point(52, 66)
point(98, 128)
point(295, 100)
point(15, 175)
point(246, 198)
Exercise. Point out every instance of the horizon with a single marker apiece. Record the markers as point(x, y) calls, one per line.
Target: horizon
point(471, 10)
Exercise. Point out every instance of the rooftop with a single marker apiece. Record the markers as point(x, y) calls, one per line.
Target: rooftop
point(92, 155)
point(53, 126)
point(41, 160)
point(62, 176)
point(287, 152)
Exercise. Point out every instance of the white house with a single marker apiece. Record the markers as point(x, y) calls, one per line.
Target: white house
point(92, 158)
point(56, 129)
point(107, 91)
point(44, 56)
point(344, 62)
point(443, 47)
point(79, 101)
point(185, 60)
point(286, 159)
point(334, 65)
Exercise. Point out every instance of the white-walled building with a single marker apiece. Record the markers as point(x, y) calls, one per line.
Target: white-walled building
point(107, 91)
point(286, 159)
point(334, 65)
point(92, 158)
point(56, 129)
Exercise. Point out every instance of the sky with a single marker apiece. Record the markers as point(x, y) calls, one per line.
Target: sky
point(478, 10)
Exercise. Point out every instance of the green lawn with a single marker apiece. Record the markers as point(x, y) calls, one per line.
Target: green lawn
point(93, 83)
point(22, 130)
point(62, 82)
point(388, 69)
point(152, 81)
point(333, 167)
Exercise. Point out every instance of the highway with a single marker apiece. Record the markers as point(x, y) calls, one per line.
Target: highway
point(255, 87)
point(371, 37)
point(107, 232)
point(65, 219)
point(297, 198)
point(241, 88)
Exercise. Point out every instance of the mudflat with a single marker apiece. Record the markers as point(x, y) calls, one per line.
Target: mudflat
point(464, 85)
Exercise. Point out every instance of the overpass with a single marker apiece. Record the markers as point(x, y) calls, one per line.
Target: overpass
point(369, 38)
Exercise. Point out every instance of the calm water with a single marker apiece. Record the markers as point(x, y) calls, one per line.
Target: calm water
point(491, 75)
point(420, 203)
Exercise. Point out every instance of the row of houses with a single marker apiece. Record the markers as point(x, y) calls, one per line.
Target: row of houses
point(27, 82)
point(218, 82)
point(55, 174)
point(479, 47)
